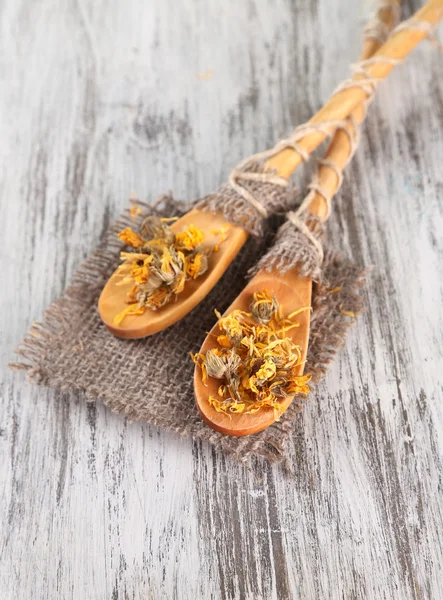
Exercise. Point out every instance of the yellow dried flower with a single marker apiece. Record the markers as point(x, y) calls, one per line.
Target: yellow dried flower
point(263, 306)
point(215, 366)
point(190, 238)
point(221, 365)
point(231, 326)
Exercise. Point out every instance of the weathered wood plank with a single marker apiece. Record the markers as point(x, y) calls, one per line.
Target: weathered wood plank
point(102, 100)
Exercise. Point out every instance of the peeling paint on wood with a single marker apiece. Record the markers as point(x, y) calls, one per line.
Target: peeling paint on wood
point(100, 100)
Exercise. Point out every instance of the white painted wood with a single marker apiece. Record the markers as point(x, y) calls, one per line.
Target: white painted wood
point(101, 99)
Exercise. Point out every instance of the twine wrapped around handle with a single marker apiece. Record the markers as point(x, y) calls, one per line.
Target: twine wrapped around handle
point(329, 175)
point(288, 154)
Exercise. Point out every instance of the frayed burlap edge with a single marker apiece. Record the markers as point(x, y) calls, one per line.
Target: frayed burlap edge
point(329, 325)
point(88, 281)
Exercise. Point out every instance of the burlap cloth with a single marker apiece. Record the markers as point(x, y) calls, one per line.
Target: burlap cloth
point(151, 379)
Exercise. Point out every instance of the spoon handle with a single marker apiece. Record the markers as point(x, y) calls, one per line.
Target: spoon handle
point(285, 159)
point(340, 151)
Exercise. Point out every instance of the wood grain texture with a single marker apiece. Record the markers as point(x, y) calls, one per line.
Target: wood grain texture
point(102, 99)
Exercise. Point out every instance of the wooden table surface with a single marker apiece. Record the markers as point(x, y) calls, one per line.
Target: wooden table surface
point(100, 100)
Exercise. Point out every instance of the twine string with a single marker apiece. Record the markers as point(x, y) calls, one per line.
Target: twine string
point(423, 27)
point(241, 174)
point(368, 83)
point(417, 25)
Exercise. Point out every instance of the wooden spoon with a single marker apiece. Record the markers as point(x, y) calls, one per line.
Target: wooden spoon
point(113, 298)
point(339, 106)
point(291, 291)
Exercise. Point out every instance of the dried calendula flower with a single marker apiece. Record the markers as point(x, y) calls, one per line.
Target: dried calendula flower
point(263, 306)
point(163, 262)
point(221, 365)
point(153, 227)
point(190, 238)
point(255, 360)
point(231, 326)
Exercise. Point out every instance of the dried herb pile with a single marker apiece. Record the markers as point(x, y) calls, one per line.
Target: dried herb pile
point(255, 359)
point(161, 263)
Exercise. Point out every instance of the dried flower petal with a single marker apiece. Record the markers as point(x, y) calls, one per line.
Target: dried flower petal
point(348, 313)
point(132, 309)
point(135, 211)
point(197, 265)
point(131, 238)
point(224, 341)
point(231, 326)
